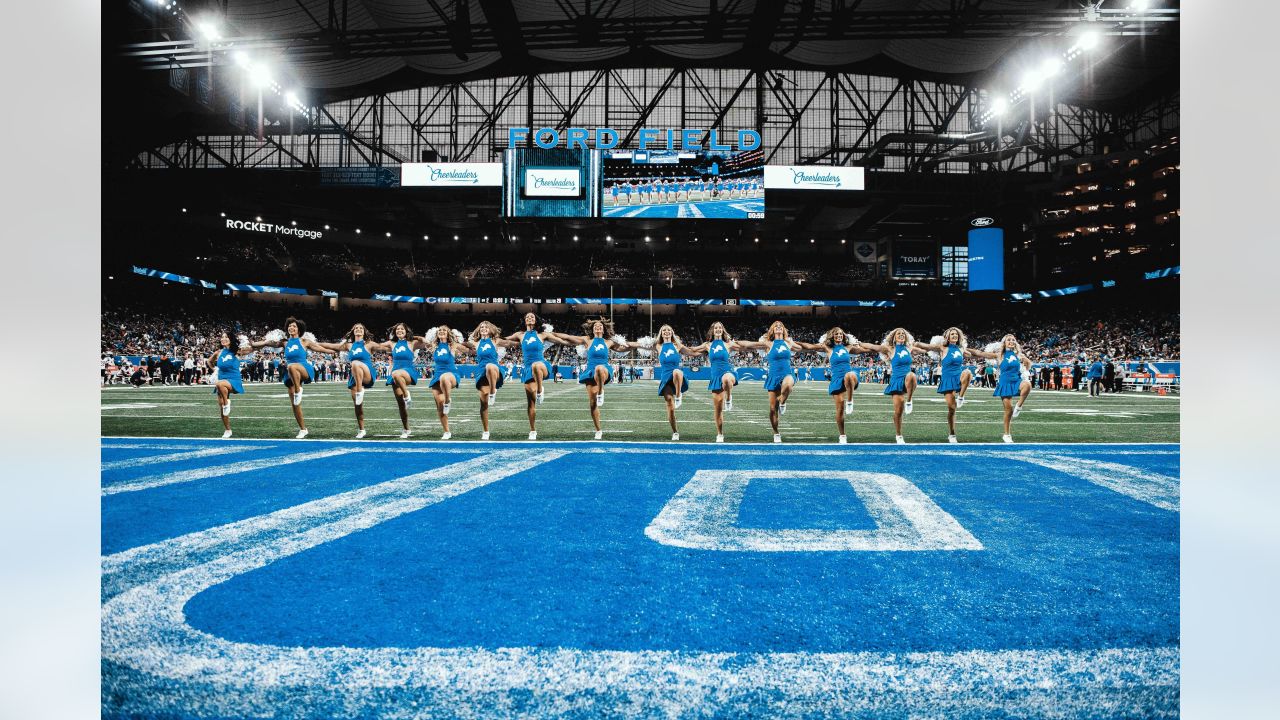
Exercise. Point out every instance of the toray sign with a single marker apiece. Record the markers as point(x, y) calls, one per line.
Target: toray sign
point(649, 138)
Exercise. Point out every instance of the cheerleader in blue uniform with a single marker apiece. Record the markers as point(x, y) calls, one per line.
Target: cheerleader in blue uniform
point(404, 371)
point(1015, 378)
point(723, 377)
point(781, 375)
point(953, 349)
point(297, 369)
point(359, 351)
point(598, 341)
point(488, 345)
point(839, 347)
point(896, 349)
point(533, 349)
point(444, 344)
point(227, 381)
point(669, 373)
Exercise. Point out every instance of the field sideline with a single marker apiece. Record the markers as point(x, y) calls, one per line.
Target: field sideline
point(635, 412)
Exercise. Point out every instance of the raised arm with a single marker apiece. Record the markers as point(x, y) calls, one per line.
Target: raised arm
point(983, 354)
point(567, 339)
point(811, 347)
point(336, 347)
point(702, 349)
point(925, 347)
point(750, 344)
point(875, 348)
point(258, 344)
point(319, 347)
point(556, 338)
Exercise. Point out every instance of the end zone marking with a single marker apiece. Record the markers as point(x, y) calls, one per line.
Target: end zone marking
point(173, 457)
point(704, 514)
point(147, 482)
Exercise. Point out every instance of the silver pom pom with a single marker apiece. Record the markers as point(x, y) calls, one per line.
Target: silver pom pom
point(308, 336)
point(642, 352)
point(244, 340)
point(275, 335)
point(502, 352)
point(935, 340)
point(548, 327)
point(645, 342)
point(457, 336)
point(431, 334)
point(581, 350)
point(619, 340)
point(822, 339)
point(344, 357)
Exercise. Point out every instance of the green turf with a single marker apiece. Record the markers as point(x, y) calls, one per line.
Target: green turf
point(635, 412)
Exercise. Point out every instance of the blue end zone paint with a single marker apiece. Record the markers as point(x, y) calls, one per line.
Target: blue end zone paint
point(556, 557)
point(810, 503)
point(138, 518)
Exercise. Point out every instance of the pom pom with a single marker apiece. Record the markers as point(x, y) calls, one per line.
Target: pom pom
point(581, 350)
point(644, 353)
point(308, 336)
point(645, 342)
point(993, 347)
point(619, 340)
point(244, 340)
point(935, 340)
point(431, 334)
point(457, 336)
point(822, 339)
point(275, 335)
point(548, 327)
point(502, 352)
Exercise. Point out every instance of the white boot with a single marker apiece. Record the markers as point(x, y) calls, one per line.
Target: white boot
point(447, 435)
point(782, 409)
point(719, 438)
point(360, 434)
point(959, 401)
point(297, 396)
point(404, 434)
point(777, 437)
point(843, 440)
point(533, 434)
point(898, 439)
point(1007, 438)
point(484, 435)
point(444, 409)
point(907, 408)
point(226, 409)
point(537, 399)
point(301, 434)
point(1017, 409)
point(226, 434)
point(728, 404)
point(848, 407)
point(359, 397)
point(952, 439)
point(599, 400)
point(408, 400)
point(676, 402)
point(599, 434)
point(493, 397)
point(675, 436)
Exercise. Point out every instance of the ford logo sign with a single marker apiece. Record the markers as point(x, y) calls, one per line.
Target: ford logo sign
point(982, 221)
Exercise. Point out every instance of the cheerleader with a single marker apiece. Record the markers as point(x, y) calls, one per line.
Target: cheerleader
point(1014, 379)
point(226, 365)
point(896, 350)
point(444, 344)
point(670, 375)
point(598, 341)
point(489, 347)
point(837, 346)
point(533, 349)
point(359, 356)
point(781, 375)
point(297, 370)
point(404, 370)
point(723, 377)
point(952, 348)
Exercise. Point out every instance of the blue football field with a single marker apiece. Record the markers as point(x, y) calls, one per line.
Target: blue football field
point(335, 579)
point(716, 209)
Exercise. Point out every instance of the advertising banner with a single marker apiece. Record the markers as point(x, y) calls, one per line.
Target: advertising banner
point(451, 175)
point(813, 177)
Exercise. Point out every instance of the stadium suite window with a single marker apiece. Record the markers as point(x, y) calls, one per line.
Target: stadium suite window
point(955, 265)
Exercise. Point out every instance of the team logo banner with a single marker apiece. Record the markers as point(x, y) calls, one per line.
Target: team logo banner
point(553, 182)
point(451, 175)
point(813, 177)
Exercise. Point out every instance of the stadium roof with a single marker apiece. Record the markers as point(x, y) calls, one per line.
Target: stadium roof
point(347, 48)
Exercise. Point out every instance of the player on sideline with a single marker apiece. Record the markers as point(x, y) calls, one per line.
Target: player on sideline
point(723, 377)
point(360, 378)
point(669, 373)
point(298, 370)
point(533, 348)
point(489, 347)
point(837, 345)
point(444, 345)
point(781, 375)
point(952, 348)
point(404, 371)
point(598, 341)
point(1014, 379)
point(226, 362)
point(896, 350)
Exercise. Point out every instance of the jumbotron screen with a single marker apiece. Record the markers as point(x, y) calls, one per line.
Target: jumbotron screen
point(680, 184)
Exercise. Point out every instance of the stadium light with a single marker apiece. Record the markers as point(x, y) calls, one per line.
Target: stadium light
point(291, 222)
point(756, 240)
point(1032, 80)
point(388, 234)
point(841, 241)
point(259, 219)
point(357, 231)
point(810, 241)
point(326, 227)
point(1089, 39)
point(455, 237)
point(1138, 5)
point(241, 58)
point(209, 29)
point(786, 240)
point(291, 97)
point(575, 238)
point(184, 209)
point(608, 238)
point(998, 106)
point(1051, 66)
point(424, 237)
point(646, 238)
point(259, 75)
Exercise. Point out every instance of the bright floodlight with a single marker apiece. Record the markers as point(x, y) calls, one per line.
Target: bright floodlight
point(1089, 39)
point(1139, 5)
point(259, 75)
point(1051, 66)
point(1032, 80)
point(241, 58)
point(998, 106)
point(291, 97)
point(209, 29)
